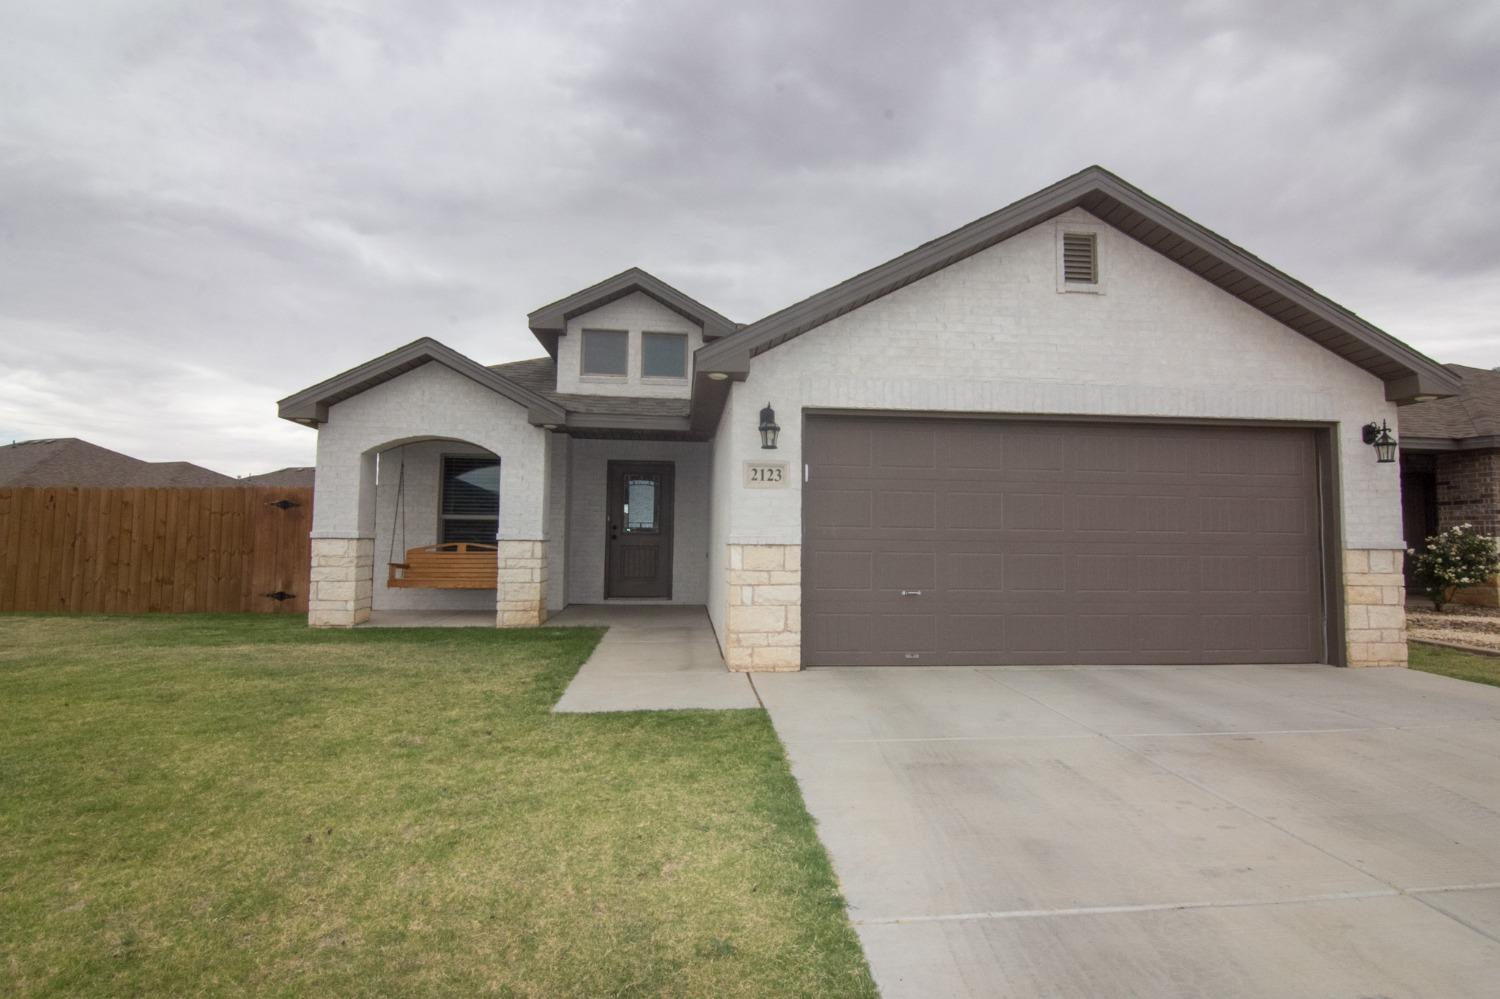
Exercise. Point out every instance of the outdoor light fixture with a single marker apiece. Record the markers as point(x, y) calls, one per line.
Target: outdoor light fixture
point(718, 376)
point(1381, 439)
point(768, 428)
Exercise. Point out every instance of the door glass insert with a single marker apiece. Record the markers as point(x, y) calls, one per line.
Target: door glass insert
point(640, 503)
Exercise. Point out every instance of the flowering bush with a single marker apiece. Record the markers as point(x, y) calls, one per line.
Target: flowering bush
point(1459, 556)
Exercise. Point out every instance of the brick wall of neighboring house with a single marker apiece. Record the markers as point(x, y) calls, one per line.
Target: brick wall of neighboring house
point(1468, 492)
point(992, 333)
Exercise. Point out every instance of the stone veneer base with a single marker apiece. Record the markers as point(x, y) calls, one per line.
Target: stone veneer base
point(341, 582)
point(763, 630)
point(521, 584)
point(1374, 607)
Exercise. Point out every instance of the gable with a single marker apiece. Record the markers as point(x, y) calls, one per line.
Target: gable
point(992, 333)
point(551, 321)
point(310, 406)
point(1407, 374)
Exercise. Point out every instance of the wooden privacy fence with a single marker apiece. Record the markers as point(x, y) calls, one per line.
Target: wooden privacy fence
point(240, 548)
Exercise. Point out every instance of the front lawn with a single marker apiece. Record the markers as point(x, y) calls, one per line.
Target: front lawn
point(1451, 662)
point(238, 805)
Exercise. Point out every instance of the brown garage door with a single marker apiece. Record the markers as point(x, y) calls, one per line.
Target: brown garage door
point(946, 542)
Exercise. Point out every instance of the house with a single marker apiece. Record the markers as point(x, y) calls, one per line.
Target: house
point(293, 476)
point(1082, 429)
point(68, 461)
point(1450, 466)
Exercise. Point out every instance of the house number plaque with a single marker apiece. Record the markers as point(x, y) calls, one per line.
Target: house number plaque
point(765, 475)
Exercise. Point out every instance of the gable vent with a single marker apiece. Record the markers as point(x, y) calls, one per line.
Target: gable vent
point(1080, 258)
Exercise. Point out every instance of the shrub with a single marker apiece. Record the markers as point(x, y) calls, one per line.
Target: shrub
point(1457, 557)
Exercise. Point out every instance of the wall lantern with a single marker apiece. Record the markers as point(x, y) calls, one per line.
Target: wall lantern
point(768, 428)
point(1381, 439)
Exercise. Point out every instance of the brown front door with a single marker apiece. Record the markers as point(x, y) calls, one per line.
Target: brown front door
point(638, 545)
point(968, 543)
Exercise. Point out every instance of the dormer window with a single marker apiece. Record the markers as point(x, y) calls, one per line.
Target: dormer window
point(664, 355)
point(606, 353)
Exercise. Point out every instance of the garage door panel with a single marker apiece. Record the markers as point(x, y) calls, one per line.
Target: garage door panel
point(906, 447)
point(1035, 573)
point(832, 507)
point(905, 508)
point(1060, 543)
point(1035, 511)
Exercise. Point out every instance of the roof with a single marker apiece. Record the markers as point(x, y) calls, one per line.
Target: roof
point(310, 406)
point(68, 461)
point(1468, 420)
point(601, 415)
point(551, 320)
point(1406, 372)
point(289, 477)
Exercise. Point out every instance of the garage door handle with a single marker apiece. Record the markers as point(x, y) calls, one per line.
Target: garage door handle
point(911, 593)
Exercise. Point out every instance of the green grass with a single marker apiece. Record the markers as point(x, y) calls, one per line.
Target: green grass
point(1451, 662)
point(216, 805)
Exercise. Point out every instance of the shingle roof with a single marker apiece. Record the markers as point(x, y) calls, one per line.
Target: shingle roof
point(1474, 412)
point(539, 374)
point(292, 475)
point(68, 461)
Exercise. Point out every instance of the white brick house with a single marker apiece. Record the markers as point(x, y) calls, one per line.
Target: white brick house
point(1082, 429)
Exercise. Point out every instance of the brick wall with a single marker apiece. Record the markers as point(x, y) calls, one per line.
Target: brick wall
point(1468, 490)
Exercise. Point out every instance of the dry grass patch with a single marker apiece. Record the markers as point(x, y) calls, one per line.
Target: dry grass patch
point(238, 805)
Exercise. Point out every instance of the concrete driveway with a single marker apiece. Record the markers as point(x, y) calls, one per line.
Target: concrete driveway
point(1205, 831)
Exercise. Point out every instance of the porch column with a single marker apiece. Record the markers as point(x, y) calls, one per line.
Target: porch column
point(342, 580)
point(525, 503)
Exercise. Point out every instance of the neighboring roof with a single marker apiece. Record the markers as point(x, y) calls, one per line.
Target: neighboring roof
point(1406, 372)
point(290, 477)
point(68, 461)
point(551, 321)
point(310, 406)
point(1468, 420)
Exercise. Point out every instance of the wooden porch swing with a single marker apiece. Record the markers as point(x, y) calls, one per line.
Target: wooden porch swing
point(453, 565)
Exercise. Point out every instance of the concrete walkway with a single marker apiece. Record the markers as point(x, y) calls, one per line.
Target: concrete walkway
point(1209, 831)
point(653, 658)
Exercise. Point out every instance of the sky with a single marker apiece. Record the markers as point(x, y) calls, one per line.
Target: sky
point(206, 206)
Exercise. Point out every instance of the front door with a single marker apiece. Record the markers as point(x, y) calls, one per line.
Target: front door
point(638, 546)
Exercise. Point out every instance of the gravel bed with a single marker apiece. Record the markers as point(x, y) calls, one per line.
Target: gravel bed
point(1478, 626)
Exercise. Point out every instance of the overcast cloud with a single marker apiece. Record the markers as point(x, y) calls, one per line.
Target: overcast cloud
point(206, 206)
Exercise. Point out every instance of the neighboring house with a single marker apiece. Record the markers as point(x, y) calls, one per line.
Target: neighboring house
point(293, 476)
point(1450, 466)
point(68, 461)
point(1083, 429)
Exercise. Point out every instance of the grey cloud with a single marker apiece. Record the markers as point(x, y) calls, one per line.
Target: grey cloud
point(254, 196)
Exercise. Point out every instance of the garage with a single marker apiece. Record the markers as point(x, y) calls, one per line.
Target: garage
point(952, 542)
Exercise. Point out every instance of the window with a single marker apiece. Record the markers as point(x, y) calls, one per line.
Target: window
point(469, 509)
point(605, 352)
point(663, 355)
